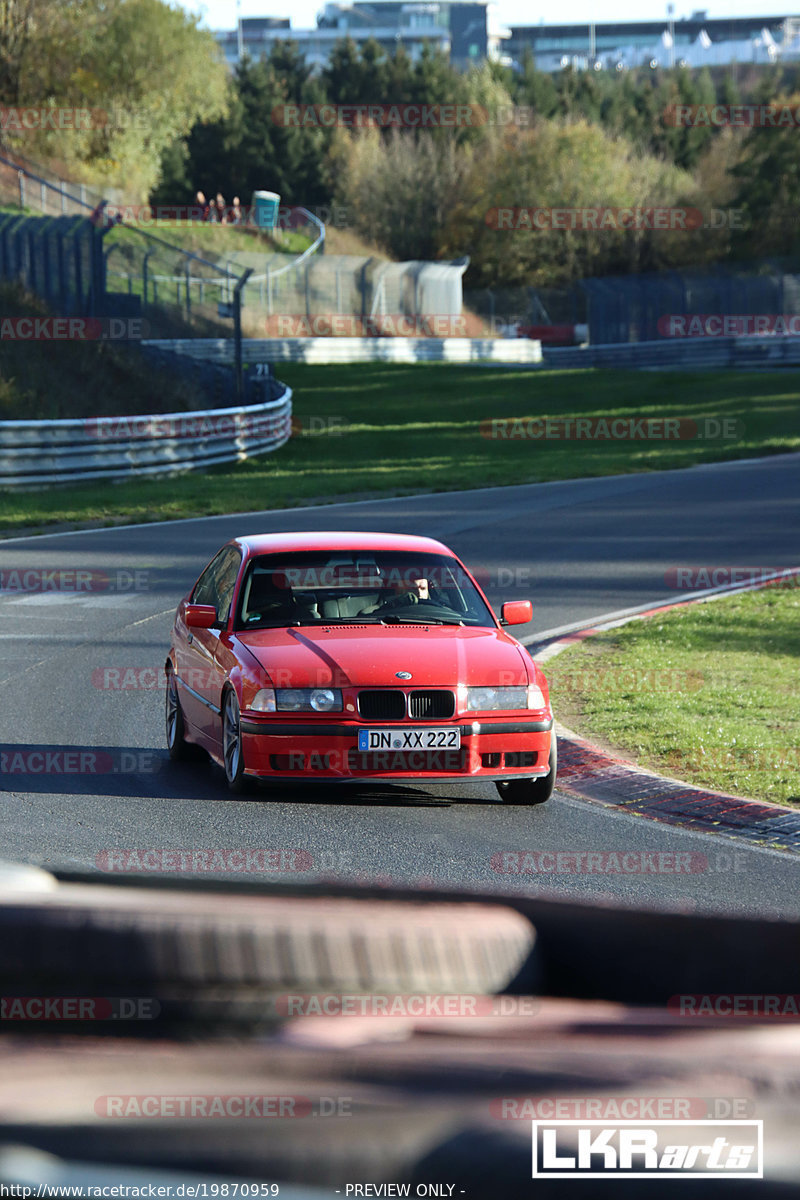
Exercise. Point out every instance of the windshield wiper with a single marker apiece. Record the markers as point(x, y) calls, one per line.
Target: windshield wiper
point(397, 619)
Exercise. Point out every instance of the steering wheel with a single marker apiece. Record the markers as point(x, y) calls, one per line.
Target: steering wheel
point(400, 601)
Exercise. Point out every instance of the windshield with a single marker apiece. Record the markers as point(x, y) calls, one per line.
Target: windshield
point(339, 587)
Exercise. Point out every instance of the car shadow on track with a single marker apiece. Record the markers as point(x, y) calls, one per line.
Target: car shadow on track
point(131, 771)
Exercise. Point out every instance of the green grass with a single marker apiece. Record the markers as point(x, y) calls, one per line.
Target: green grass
point(418, 429)
point(203, 238)
point(707, 693)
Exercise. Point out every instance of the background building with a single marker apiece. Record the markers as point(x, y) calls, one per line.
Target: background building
point(695, 42)
point(463, 29)
point(467, 32)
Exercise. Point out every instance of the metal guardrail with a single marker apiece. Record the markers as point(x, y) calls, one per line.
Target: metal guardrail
point(359, 349)
point(681, 354)
point(33, 453)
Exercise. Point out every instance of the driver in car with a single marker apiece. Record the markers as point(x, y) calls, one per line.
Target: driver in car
point(411, 591)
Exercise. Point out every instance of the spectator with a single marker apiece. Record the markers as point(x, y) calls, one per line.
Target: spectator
point(221, 217)
point(202, 204)
point(236, 212)
point(99, 217)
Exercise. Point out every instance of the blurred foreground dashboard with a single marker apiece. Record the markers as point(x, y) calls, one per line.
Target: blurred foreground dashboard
point(200, 1039)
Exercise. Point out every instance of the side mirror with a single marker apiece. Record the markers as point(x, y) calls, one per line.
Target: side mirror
point(516, 612)
point(200, 616)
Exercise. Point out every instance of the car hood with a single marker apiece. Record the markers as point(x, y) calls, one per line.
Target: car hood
point(371, 656)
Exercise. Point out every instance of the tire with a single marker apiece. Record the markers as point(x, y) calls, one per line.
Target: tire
point(232, 748)
point(226, 960)
point(177, 745)
point(532, 791)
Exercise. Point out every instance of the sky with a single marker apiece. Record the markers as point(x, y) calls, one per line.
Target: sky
point(222, 14)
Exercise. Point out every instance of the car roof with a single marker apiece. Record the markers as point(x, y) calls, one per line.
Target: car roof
point(341, 539)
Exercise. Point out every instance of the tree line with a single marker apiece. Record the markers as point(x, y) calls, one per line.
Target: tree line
point(587, 142)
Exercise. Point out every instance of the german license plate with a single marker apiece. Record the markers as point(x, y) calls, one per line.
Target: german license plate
point(429, 738)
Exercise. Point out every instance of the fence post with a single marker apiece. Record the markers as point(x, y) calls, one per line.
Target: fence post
point(78, 269)
point(62, 275)
point(363, 287)
point(21, 181)
point(237, 329)
point(144, 274)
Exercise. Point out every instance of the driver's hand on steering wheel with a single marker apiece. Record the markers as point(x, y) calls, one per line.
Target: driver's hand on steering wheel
point(400, 599)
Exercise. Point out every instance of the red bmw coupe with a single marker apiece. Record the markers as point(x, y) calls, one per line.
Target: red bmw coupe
point(356, 656)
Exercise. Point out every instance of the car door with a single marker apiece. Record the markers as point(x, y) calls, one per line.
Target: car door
point(205, 664)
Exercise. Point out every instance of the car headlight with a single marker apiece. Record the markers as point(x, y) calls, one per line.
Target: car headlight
point(263, 701)
point(489, 699)
point(309, 699)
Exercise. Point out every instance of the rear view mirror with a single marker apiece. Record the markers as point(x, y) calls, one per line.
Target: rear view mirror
point(200, 616)
point(516, 612)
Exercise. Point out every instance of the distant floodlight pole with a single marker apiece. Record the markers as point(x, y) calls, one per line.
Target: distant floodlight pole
point(237, 330)
point(239, 34)
point(671, 17)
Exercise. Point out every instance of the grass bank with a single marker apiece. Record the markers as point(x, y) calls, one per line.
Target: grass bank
point(378, 430)
point(707, 693)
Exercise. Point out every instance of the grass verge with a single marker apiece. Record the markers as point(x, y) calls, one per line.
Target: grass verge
point(380, 430)
point(706, 693)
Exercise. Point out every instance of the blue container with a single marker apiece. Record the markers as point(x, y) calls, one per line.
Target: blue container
point(265, 209)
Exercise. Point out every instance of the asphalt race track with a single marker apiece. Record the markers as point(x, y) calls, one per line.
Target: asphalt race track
point(578, 549)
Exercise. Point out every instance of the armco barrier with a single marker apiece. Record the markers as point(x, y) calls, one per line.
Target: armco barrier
point(33, 453)
point(682, 354)
point(359, 349)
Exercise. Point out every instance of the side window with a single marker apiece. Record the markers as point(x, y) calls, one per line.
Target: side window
point(230, 561)
point(215, 586)
point(205, 591)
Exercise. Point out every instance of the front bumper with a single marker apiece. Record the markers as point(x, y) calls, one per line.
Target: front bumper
point(500, 749)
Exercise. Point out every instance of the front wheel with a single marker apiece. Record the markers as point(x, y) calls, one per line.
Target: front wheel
point(175, 728)
point(532, 791)
point(232, 749)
